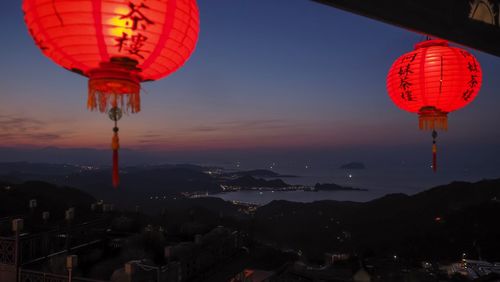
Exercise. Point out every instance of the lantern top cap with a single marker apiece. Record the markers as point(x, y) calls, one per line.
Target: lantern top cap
point(430, 43)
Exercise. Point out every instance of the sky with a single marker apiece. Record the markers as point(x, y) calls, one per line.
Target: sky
point(267, 76)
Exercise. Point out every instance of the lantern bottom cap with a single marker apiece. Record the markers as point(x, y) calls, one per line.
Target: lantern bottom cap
point(431, 118)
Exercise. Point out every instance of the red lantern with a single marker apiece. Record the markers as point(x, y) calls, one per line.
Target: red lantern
point(117, 44)
point(432, 81)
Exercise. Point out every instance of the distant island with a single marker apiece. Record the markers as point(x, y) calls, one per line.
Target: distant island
point(335, 187)
point(353, 165)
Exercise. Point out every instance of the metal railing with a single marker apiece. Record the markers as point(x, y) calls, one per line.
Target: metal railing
point(7, 250)
point(33, 247)
point(38, 246)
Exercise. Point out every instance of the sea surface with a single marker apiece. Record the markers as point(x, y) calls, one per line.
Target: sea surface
point(379, 182)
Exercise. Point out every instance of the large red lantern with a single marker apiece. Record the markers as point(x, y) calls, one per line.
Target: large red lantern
point(117, 44)
point(432, 81)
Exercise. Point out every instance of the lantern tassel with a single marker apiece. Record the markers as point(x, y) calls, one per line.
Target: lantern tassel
point(115, 145)
point(434, 151)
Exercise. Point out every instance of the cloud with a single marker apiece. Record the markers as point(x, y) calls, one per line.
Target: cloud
point(231, 133)
point(19, 124)
point(151, 135)
point(145, 141)
point(151, 138)
point(203, 128)
point(247, 125)
point(18, 129)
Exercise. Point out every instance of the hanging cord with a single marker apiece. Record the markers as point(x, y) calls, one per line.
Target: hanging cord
point(115, 114)
point(434, 150)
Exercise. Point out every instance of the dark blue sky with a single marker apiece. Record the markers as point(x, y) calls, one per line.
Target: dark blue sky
point(267, 75)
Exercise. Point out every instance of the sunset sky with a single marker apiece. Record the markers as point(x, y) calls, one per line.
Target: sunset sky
point(282, 74)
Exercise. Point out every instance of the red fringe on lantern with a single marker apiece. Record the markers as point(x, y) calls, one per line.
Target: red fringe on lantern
point(431, 118)
point(115, 84)
point(103, 99)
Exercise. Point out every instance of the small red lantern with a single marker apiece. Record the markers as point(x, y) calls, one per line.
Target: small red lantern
point(117, 44)
point(432, 81)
